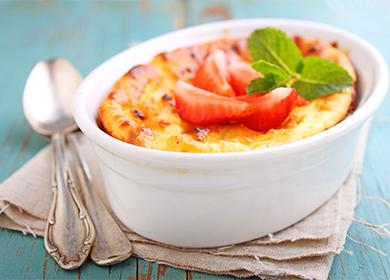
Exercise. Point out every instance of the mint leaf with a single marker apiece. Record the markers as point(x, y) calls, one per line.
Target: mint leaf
point(266, 68)
point(274, 46)
point(274, 77)
point(320, 77)
point(266, 84)
point(281, 63)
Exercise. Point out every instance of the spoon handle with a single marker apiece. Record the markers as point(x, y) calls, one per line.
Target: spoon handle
point(111, 246)
point(69, 233)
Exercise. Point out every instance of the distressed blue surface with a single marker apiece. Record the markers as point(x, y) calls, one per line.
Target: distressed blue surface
point(88, 32)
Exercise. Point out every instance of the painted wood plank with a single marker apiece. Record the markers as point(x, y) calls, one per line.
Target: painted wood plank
point(86, 33)
point(366, 263)
point(148, 271)
point(73, 30)
point(17, 253)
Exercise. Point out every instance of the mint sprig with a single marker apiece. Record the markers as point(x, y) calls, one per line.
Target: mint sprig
point(280, 61)
point(274, 77)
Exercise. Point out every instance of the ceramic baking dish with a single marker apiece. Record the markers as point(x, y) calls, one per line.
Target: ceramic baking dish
point(204, 200)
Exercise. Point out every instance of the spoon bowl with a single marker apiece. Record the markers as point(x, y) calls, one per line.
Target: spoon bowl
point(46, 100)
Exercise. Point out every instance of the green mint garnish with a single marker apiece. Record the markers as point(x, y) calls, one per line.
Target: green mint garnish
point(274, 77)
point(320, 77)
point(274, 46)
point(280, 61)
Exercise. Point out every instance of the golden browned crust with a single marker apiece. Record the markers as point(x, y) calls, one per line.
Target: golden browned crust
point(140, 107)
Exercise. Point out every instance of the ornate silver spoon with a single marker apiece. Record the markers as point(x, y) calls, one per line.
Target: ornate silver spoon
point(47, 99)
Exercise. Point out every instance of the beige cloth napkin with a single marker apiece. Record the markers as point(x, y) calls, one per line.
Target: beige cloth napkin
point(303, 250)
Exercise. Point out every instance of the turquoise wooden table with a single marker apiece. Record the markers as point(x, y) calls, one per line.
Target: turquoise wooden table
point(89, 32)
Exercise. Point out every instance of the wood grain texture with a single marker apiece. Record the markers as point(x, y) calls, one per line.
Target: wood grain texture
point(89, 32)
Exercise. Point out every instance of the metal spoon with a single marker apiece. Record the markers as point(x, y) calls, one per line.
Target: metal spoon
point(111, 244)
point(47, 99)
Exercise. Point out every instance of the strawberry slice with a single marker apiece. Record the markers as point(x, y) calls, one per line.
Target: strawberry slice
point(272, 109)
point(201, 107)
point(300, 101)
point(213, 74)
point(241, 74)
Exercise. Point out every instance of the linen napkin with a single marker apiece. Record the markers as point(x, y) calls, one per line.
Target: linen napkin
point(304, 250)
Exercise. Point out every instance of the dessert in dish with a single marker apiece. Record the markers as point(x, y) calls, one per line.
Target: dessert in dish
point(185, 199)
point(231, 95)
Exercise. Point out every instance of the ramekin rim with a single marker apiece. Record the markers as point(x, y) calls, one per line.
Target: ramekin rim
point(124, 149)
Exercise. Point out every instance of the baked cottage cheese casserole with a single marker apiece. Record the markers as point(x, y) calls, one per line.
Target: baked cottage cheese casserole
point(195, 99)
point(185, 199)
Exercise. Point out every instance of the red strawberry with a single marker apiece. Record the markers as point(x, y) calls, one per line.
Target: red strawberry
point(272, 109)
point(213, 75)
point(201, 107)
point(300, 101)
point(241, 73)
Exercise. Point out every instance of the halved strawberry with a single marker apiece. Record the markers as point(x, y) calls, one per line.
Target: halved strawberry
point(300, 101)
point(272, 109)
point(241, 74)
point(201, 107)
point(213, 74)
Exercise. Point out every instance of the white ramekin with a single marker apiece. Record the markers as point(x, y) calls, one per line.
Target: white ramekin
point(204, 200)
